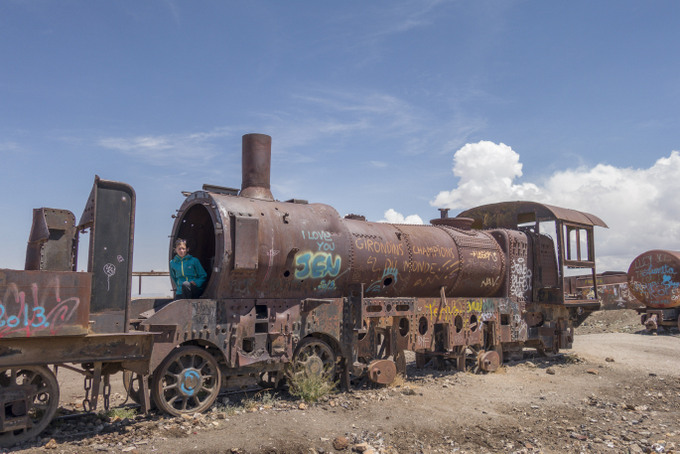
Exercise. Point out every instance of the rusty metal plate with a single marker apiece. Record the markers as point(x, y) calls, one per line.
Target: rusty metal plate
point(44, 303)
point(246, 246)
point(52, 243)
point(382, 371)
point(134, 348)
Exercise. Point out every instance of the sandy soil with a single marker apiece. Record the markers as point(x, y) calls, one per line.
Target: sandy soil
point(617, 390)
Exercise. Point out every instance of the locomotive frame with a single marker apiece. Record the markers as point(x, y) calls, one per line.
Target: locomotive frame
point(471, 291)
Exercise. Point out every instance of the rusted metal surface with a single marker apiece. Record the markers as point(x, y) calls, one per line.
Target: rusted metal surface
point(489, 361)
point(107, 348)
point(44, 303)
point(382, 371)
point(654, 278)
point(52, 243)
point(256, 164)
point(111, 210)
point(612, 288)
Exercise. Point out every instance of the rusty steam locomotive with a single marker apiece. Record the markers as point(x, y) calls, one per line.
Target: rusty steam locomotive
point(291, 285)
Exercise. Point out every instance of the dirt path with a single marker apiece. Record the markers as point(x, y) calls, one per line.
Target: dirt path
point(613, 392)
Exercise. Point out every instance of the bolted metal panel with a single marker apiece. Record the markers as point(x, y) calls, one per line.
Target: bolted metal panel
point(52, 244)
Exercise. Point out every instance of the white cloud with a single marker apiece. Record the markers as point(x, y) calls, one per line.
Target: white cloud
point(639, 205)
point(170, 149)
point(392, 217)
point(486, 171)
point(9, 146)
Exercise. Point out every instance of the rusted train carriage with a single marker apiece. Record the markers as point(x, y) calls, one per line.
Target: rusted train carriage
point(654, 280)
point(51, 315)
point(291, 284)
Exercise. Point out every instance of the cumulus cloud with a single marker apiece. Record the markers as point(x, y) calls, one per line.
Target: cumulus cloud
point(639, 205)
point(486, 173)
point(392, 217)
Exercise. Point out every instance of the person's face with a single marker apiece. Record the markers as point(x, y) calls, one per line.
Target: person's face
point(181, 250)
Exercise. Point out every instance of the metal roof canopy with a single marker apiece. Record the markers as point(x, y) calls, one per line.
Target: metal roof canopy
point(511, 214)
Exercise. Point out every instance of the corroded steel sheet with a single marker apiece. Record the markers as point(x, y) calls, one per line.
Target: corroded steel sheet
point(44, 303)
point(52, 243)
point(121, 348)
point(612, 290)
point(654, 278)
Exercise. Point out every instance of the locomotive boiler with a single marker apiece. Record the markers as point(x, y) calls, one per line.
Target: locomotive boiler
point(654, 280)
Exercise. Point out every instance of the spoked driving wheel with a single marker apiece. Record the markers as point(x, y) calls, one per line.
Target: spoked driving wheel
point(314, 358)
point(33, 393)
point(187, 381)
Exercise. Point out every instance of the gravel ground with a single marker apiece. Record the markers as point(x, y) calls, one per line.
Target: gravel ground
point(617, 390)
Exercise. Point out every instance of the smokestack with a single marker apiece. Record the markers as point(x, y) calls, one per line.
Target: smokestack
point(256, 165)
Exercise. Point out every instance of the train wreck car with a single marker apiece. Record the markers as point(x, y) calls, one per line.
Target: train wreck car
point(52, 316)
point(654, 279)
point(295, 283)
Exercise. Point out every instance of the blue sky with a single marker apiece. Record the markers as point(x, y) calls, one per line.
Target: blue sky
point(368, 105)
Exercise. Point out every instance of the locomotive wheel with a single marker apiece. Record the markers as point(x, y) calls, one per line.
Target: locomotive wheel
point(314, 357)
point(42, 389)
point(187, 381)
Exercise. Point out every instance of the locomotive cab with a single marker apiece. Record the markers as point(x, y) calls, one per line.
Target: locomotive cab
point(551, 259)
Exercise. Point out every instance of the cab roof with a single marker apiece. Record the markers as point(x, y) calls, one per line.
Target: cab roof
point(510, 214)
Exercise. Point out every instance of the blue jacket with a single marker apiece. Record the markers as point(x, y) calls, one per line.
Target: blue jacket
point(187, 269)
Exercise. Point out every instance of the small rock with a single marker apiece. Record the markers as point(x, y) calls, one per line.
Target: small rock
point(549, 371)
point(340, 443)
point(609, 359)
point(302, 406)
point(52, 444)
point(361, 447)
point(593, 372)
point(578, 436)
